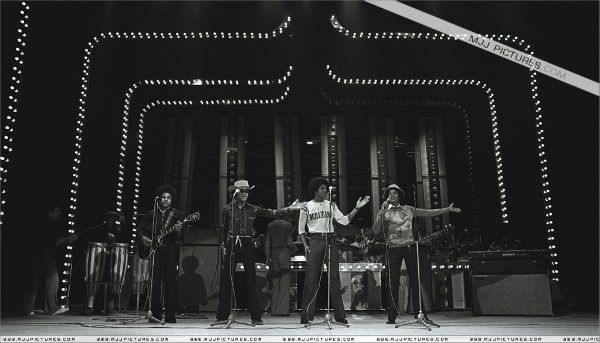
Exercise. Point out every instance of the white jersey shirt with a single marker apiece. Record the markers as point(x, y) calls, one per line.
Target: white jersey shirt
point(318, 217)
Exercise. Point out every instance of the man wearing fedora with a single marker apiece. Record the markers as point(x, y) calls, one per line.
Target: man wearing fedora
point(395, 221)
point(166, 257)
point(318, 218)
point(238, 217)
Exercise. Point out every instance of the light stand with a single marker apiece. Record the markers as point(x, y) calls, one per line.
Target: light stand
point(232, 307)
point(149, 315)
point(327, 320)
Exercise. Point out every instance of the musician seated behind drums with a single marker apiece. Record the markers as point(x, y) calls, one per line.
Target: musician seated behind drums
point(395, 220)
point(109, 232)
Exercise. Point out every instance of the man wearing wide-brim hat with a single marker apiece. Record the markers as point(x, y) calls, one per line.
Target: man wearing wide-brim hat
point(395, 220)
point(238, 231)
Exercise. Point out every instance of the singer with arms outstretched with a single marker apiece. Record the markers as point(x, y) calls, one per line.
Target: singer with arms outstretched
point(395, 220)
point(317, 217)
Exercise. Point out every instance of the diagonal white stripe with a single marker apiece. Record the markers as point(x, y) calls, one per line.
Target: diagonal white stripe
point(490, 45)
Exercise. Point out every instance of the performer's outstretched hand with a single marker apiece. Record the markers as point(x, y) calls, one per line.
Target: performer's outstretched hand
point(360, 203)
point(454, 209)
point(297, 205)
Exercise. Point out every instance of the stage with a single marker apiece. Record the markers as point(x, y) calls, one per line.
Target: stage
point(492, 159)
point(455, 323)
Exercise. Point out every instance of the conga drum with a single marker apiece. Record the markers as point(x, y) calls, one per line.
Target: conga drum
point(118, 266)
point(95, 261)
point(141, 274)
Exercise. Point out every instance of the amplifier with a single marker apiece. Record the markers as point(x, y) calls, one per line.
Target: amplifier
point(509, 266)
point(521, 294)
point(508, 255)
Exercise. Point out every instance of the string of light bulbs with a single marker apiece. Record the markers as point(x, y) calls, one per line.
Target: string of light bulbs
point(10, 113)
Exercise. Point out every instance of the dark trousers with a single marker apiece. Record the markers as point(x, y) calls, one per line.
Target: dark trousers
point(165, 278)
point(279, 271)
point(395, 257)
point(245, 252)
point(314, 263)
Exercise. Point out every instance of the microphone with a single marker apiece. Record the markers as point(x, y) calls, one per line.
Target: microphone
point(331, 188)
point(236, 191)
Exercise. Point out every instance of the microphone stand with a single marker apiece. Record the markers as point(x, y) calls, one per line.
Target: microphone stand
point(420, 317)
point(232, 301)
point(149, 315)
point(327, 320)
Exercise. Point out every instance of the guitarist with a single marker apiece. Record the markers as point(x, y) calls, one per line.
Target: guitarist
point(166, 258)
point(395, 220)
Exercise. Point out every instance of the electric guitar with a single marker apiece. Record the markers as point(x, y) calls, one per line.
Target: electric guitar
point(435, 235)
point(432, 236)
point(145, 252)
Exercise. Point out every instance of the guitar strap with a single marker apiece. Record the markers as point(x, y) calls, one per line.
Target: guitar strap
point(168, 221)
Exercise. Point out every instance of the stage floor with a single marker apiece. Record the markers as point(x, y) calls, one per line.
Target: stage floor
point(452, 323)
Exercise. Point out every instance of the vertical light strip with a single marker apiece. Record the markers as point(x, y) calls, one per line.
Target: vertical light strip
point(469, 156)
point(10, 113)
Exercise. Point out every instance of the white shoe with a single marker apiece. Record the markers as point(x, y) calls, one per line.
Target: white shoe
point(60, 311)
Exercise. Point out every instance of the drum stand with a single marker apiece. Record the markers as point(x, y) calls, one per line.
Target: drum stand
point(327, 320)
point(231, 319)
point(420, 317)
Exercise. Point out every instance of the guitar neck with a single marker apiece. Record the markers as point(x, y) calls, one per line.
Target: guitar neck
point(173, 228)
point(434, 235)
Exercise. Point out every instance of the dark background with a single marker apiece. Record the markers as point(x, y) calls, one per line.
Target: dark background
point(563, 33)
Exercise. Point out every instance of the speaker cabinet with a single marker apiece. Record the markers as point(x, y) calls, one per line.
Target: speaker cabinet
point(449, 289)
point(511, 294)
